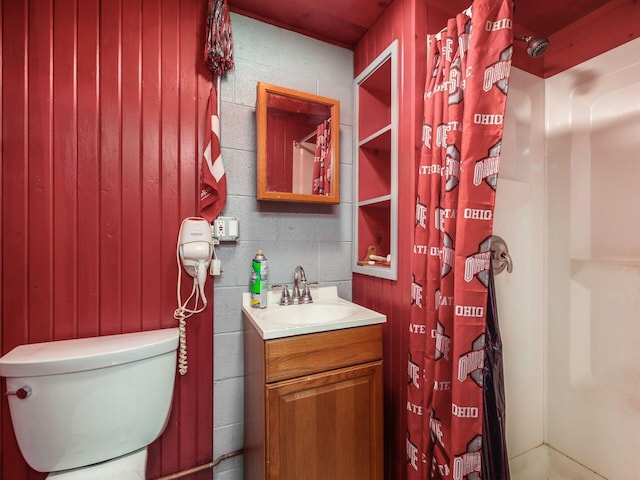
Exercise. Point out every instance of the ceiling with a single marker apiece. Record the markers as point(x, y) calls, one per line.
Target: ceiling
point(343, 22)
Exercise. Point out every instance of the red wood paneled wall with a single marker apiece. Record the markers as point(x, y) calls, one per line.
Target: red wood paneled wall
point(103, 114)
point(406, 21)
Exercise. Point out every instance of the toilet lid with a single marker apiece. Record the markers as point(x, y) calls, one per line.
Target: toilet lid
point(66, 356)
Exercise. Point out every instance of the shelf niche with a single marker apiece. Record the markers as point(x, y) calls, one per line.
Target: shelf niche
point(375, 218)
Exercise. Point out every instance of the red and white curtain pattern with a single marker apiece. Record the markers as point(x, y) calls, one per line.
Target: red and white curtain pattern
point(468, 69)
point(322, 160)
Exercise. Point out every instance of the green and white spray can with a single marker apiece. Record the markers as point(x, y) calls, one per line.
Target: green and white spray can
point(259, 276)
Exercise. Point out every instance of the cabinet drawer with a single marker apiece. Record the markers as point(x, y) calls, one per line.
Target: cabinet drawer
point(318, 352)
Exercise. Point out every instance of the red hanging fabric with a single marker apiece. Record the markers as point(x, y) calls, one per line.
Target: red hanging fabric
point(218, 55)
point(213, 181)
point(317, 180)
point(326, 152)
point(322, 160)
point(456, 177)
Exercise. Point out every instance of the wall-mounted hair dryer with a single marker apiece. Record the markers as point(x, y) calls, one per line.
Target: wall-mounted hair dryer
point(194, 252)
point(195, 245)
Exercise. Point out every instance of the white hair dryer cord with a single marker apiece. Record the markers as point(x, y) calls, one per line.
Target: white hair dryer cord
point(182, 313)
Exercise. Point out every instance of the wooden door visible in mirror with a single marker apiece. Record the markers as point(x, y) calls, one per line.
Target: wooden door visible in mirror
point(298, 142)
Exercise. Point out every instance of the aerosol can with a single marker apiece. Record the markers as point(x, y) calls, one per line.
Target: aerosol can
point(259, 275)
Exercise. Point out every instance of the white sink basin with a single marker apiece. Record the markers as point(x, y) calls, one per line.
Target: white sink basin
point(309, 313)
point(327, 312)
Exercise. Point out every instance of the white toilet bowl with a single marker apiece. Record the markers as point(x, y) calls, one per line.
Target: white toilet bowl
point(127, 467)
point(87, 409)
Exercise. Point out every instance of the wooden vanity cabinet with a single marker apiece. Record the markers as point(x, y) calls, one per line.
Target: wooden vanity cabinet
point(313, 405)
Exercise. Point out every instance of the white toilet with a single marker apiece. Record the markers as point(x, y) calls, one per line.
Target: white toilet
point(88, 408)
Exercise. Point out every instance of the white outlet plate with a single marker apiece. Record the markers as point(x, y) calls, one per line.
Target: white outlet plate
point(226, 229)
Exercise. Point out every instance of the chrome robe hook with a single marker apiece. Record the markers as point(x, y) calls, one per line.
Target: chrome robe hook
point(500, 258)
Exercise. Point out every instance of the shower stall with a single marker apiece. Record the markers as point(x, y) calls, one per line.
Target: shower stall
point(567, 204)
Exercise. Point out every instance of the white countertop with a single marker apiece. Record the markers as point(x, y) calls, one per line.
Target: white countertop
point(277, 321)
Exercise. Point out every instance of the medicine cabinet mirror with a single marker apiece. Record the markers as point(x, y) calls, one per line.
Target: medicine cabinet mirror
point(298, 141)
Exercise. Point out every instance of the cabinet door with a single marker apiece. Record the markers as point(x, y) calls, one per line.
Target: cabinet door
point(326, 426)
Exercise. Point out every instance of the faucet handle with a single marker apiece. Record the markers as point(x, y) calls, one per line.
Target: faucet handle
point(306, 295)
point(285, 298)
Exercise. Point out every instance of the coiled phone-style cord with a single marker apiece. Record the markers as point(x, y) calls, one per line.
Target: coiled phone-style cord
point(182, 356)
point(182, 312)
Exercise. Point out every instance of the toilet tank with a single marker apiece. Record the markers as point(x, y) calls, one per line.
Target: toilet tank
point(92, 399)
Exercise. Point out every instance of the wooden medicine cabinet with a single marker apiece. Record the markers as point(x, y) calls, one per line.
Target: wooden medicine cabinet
point(298, 143)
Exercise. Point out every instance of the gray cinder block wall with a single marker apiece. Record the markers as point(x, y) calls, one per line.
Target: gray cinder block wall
point(318, 237)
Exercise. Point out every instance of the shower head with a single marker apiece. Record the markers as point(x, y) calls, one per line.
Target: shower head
point(536, 46)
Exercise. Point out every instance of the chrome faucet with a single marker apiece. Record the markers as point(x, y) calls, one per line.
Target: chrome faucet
point(300, 282)
point(301, 292)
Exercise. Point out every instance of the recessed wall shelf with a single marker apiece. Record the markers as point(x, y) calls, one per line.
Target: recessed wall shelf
point(375, 216)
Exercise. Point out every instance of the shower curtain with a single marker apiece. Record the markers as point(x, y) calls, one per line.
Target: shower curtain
point(322, 161)
point(465, 94)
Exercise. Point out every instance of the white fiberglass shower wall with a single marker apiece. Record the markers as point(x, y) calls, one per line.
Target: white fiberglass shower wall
point(567, 206)
point(593, 263)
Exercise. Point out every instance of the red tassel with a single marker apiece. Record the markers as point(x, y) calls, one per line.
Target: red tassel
point(218, 51)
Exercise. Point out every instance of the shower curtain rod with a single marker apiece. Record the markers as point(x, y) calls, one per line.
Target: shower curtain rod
point(302, 147)
point(312, 134)
point(468, 12)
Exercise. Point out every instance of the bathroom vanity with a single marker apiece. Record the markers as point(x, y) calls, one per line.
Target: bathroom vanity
point(313, 401)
